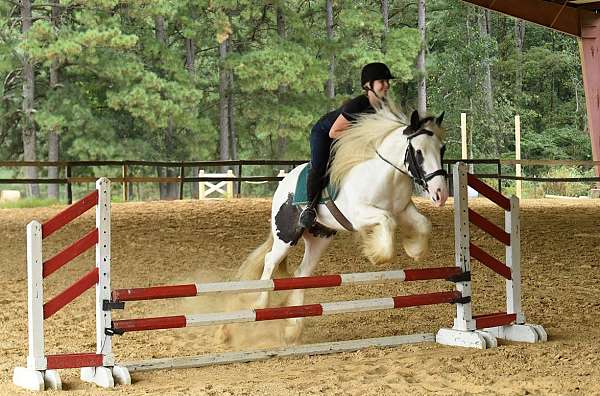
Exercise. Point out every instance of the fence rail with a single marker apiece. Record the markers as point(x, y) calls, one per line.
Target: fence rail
point(125, 179)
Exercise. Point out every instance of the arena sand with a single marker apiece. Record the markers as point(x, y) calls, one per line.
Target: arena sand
point(157, 243)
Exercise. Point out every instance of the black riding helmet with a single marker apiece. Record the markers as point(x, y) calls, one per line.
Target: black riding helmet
point(375, 71)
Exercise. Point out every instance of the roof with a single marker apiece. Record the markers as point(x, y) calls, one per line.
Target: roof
point(587, 4)
point(566, 16)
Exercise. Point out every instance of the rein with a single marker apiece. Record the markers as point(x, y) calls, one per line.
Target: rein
point(415, 171)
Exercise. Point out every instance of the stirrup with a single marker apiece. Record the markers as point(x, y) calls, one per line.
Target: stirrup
point(308, 217)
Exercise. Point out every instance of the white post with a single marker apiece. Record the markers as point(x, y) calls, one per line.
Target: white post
point(519, 184)
point(464, 316)
point(519, 331)
point(36, 376)
point(108, 374)
point(463, 135)
point(229, 194)
point(513, 260)
point(464, 332)
point(103, 257)
point(201, 186)
point(36, 359)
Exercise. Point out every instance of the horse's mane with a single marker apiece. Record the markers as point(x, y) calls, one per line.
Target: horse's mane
point(359, 142)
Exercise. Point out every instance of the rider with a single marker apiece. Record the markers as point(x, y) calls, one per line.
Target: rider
point(375, 83)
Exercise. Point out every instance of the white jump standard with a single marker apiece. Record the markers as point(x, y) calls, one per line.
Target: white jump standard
point(480, 331)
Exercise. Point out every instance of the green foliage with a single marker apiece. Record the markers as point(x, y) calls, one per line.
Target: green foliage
point(563, 189)
point(124, 92)
point(30, 203)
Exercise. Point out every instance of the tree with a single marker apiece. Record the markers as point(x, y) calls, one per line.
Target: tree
point(28, 122)
point(421, 70)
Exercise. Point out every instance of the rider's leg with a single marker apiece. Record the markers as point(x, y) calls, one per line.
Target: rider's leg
point(320, 144)
point(313, 190)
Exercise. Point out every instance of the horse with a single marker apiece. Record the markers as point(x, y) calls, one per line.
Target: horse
point(373, 166)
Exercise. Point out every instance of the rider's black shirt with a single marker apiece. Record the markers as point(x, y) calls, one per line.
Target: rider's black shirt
point(351, 110)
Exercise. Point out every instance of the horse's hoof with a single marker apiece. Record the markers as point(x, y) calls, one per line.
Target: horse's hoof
point(416, 251)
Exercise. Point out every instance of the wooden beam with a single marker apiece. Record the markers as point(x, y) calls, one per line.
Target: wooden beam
point(561, 17)
point(589, 45)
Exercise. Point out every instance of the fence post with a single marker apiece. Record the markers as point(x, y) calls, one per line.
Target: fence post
point(240, 182)
point(201, 185)
point(499, 165)
point(69, 188)
point(229, 189)
point(125, 184)
point(181, 176)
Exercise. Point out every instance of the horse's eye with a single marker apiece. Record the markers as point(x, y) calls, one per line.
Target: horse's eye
point(420, 158)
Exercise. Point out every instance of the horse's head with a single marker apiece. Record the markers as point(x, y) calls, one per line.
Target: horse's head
point(380, 134)
point(424, 155)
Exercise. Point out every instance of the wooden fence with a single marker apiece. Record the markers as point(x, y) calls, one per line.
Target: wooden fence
point(240, 165)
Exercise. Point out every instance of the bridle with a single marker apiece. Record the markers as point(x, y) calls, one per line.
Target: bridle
point(414, 168)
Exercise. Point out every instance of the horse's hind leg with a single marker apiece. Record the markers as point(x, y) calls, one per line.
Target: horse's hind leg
point(313, 250)
point(416, 229)
point(278, 253)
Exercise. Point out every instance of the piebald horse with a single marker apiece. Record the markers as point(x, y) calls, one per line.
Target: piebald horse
point(374, 166)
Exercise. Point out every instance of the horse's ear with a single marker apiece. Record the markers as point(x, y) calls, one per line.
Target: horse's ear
point(440, 119)
point(414, 120)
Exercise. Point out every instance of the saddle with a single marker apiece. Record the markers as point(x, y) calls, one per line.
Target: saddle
point(328, 195)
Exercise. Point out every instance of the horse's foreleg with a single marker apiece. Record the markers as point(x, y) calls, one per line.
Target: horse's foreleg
point(277, 254)
point(313, 250)
point(377, 227)
point(416, 230)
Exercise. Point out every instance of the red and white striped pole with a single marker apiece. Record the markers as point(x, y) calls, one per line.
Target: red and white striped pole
point(300, 311)
point(196, 289)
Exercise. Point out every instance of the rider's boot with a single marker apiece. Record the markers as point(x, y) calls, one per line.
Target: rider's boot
point(308, 217)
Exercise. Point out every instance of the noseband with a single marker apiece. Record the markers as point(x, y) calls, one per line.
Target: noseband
point(415, 170)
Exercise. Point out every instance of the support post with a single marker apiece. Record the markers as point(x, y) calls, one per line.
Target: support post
point(519, 184)
point(464, 317)
point(463, 136)
point(464, 332)
point(239, 183)
point(229, 194)
point(69, 186)
point(201, 187)
point(181, 184)
point(513, 261)
point(125, 184)
point(108, 374)
point(589, 46)
point(36, 359)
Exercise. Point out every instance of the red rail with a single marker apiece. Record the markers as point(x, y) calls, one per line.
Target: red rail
point(159, 323)
point(495, 319)
point(74, 360)
point(299, 311)
point(69, 214)
point(154, 293)
point(489, 227)
point(492, 263)
point(69, 253)
point(426, 299)
point(488, 192)
point(70, 293)
point(431, 273)
point(307, 282)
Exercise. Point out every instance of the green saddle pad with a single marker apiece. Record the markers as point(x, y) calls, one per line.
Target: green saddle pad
point(301, 196)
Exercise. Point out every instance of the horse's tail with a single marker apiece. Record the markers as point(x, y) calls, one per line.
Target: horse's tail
point(252, 267)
